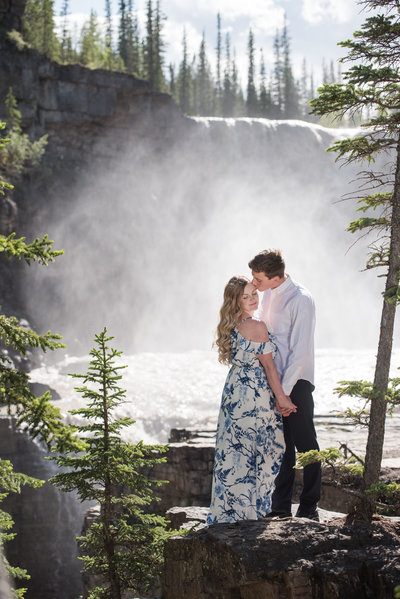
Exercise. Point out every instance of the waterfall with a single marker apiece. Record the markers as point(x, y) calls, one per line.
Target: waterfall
point(153, 231)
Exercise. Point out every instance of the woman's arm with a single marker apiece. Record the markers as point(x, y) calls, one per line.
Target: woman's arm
point(283, 402)
point(255, 330)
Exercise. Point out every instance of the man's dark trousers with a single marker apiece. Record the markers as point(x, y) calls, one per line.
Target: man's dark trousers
point(299, 432)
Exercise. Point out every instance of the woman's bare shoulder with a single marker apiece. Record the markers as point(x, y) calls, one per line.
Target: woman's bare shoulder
point(254, 330)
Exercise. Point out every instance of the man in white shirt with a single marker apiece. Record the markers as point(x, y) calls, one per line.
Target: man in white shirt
point(288, 310)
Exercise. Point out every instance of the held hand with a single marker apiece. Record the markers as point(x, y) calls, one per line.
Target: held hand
point(285, 406)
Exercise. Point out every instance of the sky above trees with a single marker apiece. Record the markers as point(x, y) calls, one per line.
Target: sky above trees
point(315, 26)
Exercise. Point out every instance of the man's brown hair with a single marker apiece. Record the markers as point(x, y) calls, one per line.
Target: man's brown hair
point(270, 262)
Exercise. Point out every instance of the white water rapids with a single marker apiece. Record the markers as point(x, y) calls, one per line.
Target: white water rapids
point(166, 390)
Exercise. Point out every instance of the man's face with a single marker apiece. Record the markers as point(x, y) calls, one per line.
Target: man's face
point(262, 282)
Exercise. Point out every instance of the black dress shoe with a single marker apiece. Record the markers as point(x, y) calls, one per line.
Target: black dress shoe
point(278, 514)
point(309, 514)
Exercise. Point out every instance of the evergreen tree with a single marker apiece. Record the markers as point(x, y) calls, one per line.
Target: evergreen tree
point(228, 99)
point(123, 42)
point(184, 80)
point(148, 46)
point(125, 547)
point(65, 42)
point(265, 101)
point(108, 39)
point(278, 76)
point(159, 49)
point(239, 103)
point(204, 99)
point(39, 28)
point(91, 44)
point(252, 100)
point(332, 78)
point(20, 154)
point(325, 74)
point(304, 91)
point(290, 93)
point(218, 82)
point(133, 50)
point(172, 83)
point(373, 81)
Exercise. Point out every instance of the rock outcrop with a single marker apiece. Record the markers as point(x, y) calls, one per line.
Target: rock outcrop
point(284, 559)
point(75, 106)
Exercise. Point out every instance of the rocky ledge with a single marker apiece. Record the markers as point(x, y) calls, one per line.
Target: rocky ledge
point(284, 559)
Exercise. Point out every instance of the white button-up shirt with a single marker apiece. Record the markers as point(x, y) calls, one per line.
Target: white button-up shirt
point(289, 313)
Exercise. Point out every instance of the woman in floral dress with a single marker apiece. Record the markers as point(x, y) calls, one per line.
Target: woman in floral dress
point(249, 445)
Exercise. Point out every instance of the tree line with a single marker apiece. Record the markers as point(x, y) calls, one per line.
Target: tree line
point(199, 87)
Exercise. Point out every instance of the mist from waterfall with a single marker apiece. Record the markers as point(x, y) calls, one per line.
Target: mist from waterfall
point(152, 236)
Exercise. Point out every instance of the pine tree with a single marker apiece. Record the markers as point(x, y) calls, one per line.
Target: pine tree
point(159, 49)
point(39, 28)
point(184, 80)
point(239, 103)
point(228, 99)
point(290, 93)
point(373, 81)
point(20, 154)
point(171, 82)
point(218, 82)
point(91, 44)
point(123, 42)
point(304, 91)
point(332, 78)
point(132, 60)
point(278, 77)
point(252, 100)
point(65, 42)
point(148, 46)
point(108, 38)
point(125, 546)
point(265, 102)
point(204, 99)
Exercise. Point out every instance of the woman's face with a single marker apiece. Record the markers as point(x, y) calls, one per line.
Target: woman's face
point(249, 301)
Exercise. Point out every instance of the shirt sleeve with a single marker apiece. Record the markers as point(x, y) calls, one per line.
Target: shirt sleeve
point(301, 341)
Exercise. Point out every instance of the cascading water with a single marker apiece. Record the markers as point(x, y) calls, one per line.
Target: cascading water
point(152, 235)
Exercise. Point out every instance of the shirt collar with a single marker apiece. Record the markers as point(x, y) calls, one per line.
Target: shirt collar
point(283, 287)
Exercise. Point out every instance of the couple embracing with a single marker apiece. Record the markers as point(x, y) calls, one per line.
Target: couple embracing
point(267, 407)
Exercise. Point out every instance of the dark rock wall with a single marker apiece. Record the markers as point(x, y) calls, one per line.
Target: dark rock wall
point(11, 12)
point(46, 522)
point(74, 105)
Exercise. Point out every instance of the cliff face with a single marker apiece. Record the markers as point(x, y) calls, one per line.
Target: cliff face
point(46, 521)
point(87, 116)
point(74, 105)
point(11, 12)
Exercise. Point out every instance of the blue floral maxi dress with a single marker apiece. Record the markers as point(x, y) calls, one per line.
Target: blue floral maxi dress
point(250, 444)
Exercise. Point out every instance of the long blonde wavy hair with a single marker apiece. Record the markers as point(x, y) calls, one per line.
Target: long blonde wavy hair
point(229, 316)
